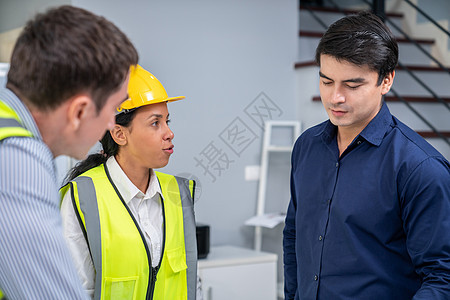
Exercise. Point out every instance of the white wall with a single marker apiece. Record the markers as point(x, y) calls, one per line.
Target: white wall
point(221, 55)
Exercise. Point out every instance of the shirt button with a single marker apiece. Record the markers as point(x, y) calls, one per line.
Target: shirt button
point(337, 164)
point(358, 143)
point(316, 277)
point(320, 237)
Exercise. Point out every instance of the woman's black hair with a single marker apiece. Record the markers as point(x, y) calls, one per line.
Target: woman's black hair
point(110, 148)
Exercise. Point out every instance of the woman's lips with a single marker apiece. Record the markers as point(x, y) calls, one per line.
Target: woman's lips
point(169, 150)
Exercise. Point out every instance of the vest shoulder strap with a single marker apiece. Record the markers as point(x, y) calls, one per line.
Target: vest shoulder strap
point(10, 125)
point(175, 184)
point(185, 188)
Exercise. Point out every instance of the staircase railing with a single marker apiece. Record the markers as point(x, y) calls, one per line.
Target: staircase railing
point(412, 40)
point(420, 116)
point(377, 6)
point(428, 17)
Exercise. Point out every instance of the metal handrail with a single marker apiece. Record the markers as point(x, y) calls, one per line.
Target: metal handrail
point(439, 134)
point(414, 42)
point(420, 47)
point(428, 17)
point(322, 23)
point(419, 81)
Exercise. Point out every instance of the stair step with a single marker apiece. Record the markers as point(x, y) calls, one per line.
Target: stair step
point(345, 11)
point(419, 99)
point(423, 68)
point(312, 63)
point(432, 134)
point(424, 134)
point(319, 34)
point(303, 64)
point(416, 99)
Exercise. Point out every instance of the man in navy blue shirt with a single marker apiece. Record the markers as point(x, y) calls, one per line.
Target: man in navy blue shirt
point(369, 216)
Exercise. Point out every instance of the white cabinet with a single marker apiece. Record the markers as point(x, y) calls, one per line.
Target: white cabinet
point(232, 273)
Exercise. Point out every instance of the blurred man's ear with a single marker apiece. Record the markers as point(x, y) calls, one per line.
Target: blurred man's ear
point(78, 109)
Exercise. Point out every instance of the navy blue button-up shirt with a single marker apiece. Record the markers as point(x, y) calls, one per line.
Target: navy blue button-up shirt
point(373, 223)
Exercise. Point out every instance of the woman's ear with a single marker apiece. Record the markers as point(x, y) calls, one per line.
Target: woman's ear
point(119, 135)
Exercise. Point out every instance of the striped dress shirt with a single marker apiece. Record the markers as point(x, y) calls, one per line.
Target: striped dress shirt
point(35, 262)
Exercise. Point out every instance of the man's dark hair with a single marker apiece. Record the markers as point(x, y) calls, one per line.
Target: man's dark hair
point(361, 39)
point(68, 51)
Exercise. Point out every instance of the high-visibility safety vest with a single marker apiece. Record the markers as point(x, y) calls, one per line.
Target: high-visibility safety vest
point(10, 126)
point(119, 252)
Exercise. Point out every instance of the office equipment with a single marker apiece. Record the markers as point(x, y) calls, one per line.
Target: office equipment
point(202, 233)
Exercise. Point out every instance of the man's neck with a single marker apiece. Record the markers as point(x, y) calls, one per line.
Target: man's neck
point(345, 136)
point(51, 126)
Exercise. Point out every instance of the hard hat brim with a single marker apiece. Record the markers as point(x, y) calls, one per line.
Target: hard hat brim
point(173, 99)
point(127, 107)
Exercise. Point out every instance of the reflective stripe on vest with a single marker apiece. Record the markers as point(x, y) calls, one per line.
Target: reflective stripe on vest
point(10, 125)
point(119, 252)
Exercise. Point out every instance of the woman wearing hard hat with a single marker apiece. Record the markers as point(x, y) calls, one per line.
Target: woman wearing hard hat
point(131, 230)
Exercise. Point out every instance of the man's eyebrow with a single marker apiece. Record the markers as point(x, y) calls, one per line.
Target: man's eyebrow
point(353, 80)
point(356, 80)
point(323, 75)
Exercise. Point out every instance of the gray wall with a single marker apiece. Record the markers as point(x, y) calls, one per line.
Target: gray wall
point(15, 13)
point(227, 58)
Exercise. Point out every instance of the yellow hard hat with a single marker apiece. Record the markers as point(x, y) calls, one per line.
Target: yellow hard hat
point(144, 89)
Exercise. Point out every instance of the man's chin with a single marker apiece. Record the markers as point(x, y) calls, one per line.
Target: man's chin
point(79, 155)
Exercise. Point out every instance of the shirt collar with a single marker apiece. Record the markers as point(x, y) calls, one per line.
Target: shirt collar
point(376, 130)
point(126, 188)
point(27, 120)
point(373, 133)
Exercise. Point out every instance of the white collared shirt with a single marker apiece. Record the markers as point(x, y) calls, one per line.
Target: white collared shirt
point(146, 209)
